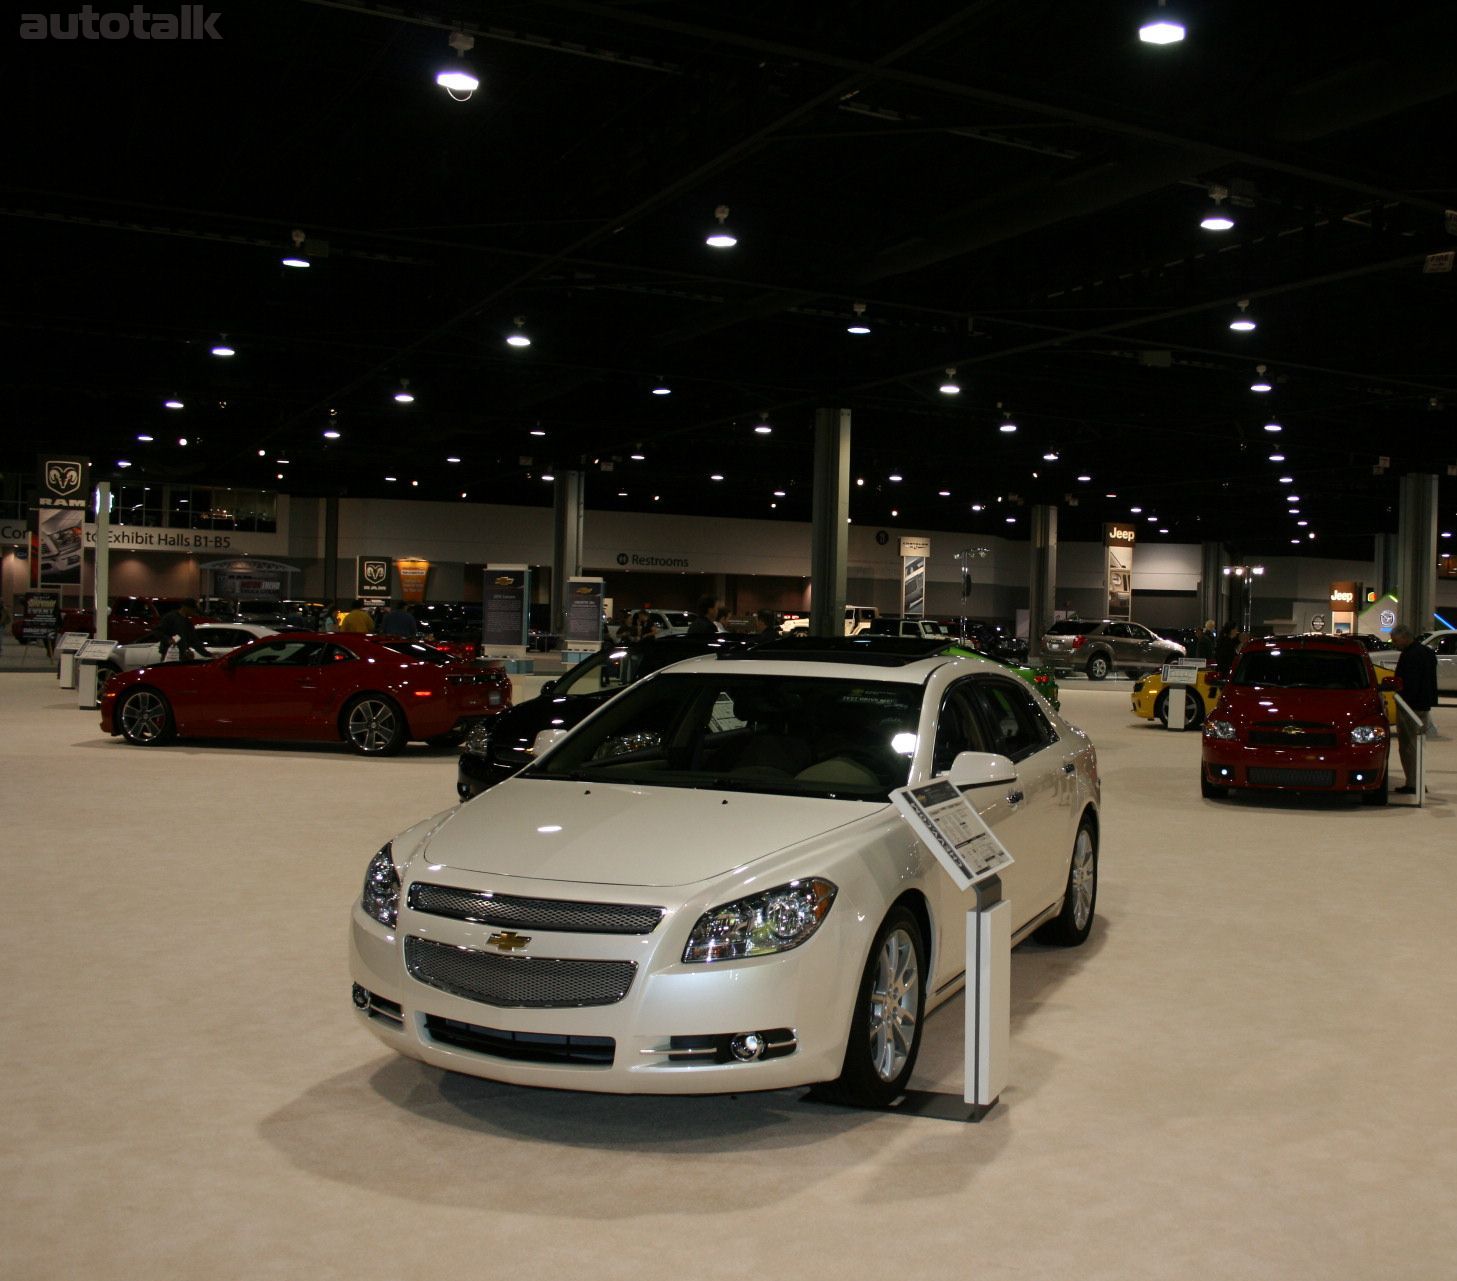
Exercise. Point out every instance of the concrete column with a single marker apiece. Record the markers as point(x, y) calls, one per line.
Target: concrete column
point(1211, 583)
point(1042, 577)
point(1416, 552)
point(331, 550)
point(101, 576)
point(568, 492)
point(830, 532)
point(1383, 569)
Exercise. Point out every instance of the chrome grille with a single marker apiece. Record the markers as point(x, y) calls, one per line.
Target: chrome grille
point(1270, 776)
point(516, 982)
point(512, 912)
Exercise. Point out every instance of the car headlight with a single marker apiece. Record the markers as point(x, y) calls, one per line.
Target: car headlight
point(774, 921)
point(1219, 729)
point(1368, 734)
point(478, 739)
point(381, 897)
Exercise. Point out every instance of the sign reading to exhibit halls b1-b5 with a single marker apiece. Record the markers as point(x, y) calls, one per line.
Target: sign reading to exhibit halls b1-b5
point(958, 836)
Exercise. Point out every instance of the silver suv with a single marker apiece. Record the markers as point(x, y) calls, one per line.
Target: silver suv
point(1101, 646)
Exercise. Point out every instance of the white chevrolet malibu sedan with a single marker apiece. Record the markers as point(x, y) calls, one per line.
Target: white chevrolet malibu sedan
point(705, 886)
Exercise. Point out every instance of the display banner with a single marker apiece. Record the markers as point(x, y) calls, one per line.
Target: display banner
point(414, 573)
point(913, 585)
point(506, 591)
point(1118, 541)
point(584, 611)
point(372, 577)
point(41, 619)
point(62, 537)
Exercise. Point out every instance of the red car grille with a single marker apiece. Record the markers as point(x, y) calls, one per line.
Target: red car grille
point(1269, 776)
point(1293, 734)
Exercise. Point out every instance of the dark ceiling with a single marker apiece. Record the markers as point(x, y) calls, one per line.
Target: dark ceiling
point(1011, 187)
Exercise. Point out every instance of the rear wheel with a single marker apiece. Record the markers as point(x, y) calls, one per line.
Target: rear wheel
point(1098, 667)
point(885, 1029)
point(145, 717)
point(374, 725)
point(1071, 926)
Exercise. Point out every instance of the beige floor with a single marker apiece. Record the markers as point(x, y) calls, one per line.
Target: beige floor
point(1247, 1073)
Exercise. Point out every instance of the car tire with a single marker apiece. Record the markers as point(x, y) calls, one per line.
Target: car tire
point(104, 673)
point(374, 725)
point(1072, 925)
point(1193, 709)
point(144, 717)
point(890, 1006)
point(1099, 666)
point(1211, 791)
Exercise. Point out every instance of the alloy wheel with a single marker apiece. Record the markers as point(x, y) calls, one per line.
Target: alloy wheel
point(144, 717)
point(894, 1001)
point(1083, 879)
point(372, 725)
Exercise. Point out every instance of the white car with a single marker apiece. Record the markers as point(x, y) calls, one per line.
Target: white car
point(214, 638)
point(705, 888)
point(1445, 643)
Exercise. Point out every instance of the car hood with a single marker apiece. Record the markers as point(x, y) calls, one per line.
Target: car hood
point(1253, 704)
point(619, 834)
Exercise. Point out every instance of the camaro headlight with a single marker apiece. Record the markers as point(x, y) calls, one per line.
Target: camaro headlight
point(1368, 733)
point(774, 921)
point(478, 739)
point(381, 897)
point(1219, 729)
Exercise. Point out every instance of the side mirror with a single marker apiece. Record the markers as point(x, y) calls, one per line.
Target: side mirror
point(546, 687)
point(545, 739)
point(980, 769)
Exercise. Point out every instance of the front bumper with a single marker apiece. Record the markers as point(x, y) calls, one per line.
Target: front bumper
point(803, 997)
point(475, 773)
point(1350, 768)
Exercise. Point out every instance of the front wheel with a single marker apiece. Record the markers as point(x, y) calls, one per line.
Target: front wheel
point(374, 725)
point(1072, 925)
point(145, 717)
point(1193, 709)
point(1098, 667)
point(104, 673)
point(890, 1004)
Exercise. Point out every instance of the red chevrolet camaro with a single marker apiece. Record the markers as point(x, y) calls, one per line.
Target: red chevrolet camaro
point(375, 693)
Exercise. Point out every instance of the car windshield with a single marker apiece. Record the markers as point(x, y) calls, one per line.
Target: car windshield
point(677, 617)
point(1070, 627)
point(421, 653)
point(1301, 669)
point(799, 736)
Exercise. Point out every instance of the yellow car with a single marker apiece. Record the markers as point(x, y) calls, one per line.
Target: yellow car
point(1151, 699)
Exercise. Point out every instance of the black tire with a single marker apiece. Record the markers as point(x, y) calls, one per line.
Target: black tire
point(374, 725)
point(1072, 925)
point(1099, 665)
point(1211, 791)
point(1193, 709)
point(104, 672)
point(881, 1053)
point(144, 717)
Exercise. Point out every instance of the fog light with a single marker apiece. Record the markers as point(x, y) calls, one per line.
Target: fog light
point(361, 998)
point(747, 1046)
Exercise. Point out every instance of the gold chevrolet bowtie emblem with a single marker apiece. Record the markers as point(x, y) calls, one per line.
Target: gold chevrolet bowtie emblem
point(509, 940)
point(1292, 729)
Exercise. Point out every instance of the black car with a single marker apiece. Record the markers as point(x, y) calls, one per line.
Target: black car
point(500, 745)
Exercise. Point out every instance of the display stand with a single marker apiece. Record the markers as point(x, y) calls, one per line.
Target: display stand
point(89, 659)
point(1178, 677)
point(1418, 724)
point(67, 648)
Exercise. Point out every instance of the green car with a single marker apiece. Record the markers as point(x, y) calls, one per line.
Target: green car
point(1040, 678)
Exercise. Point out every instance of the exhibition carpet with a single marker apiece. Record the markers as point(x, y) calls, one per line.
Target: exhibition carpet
point(1246, 1073)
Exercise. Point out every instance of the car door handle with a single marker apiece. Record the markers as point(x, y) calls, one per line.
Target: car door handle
point(1014, 798)
point(1069, 767)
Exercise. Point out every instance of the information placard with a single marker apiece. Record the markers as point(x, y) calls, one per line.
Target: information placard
point(96, 651)
point(71, 642)
point(1182, 673)
point(956, 833)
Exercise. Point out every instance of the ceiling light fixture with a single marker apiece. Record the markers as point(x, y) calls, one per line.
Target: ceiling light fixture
point(662, 389)
point(895, 476)
point(716, 476)
point(182, 440)
point(858, 325)
point(721, 237)
point(1007, 425)
point(221, 348)
point(638, 458)
point(459, 78)
point(1242, 322)
point(172, 404)
point(1161, 27)
point(1085, 478)
point(331, 434)
point(546, 475)
point(146, 440)
point(452, 459)
point(1287, 480)
point(1277, 458)
point(536, 431)
point(779, 493)
point(943, 493)
point(1273, 426)
point(1050, 456)
point(1217, 217)
point(404, 396)
point(518, 336)
point(950, 387)
point(1261, 382)
point(296, 257)
point(122, 462)
point(763, 427)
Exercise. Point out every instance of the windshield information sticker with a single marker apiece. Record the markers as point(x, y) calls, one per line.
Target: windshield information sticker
point(956, 833)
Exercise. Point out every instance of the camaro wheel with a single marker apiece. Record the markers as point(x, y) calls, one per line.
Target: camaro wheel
point(104, 673)
point(1074, 923)
point(885, 1029)
point(1098, 667)
point(1193, 709)
point(374, 725)
point(145, 717)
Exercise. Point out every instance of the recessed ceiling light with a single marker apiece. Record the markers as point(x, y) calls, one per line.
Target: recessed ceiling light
point(1287, 480)
point(1296, 541)
point(122, 462)
point(462, 493)
point(1085, 479)
point(1110, 495)
point(262, 453)
point(1277, 458)
point(279, 476)
point(282, 462)
point(392, 479)
point(977, 507)
point(622, 493)
point(1302, 523)
point(1011, 520)
point(1273, 426)
point(182, 440)
point(415, 483)
point(716, 476)
point(1050, 456)
point(1161, 27)
point(638, 458)
point(536, 431)
point(547, 476)
point(943, 493)
point(895, 476)
point(1137, 511)
point(779, 493)
point(222, 349)
point(1163, 531)
point(763, 429)
point(145, 439)
point(859, 480)
point(452, 459)
point(173, 404)
point(291, 261)
point(331, 434)
point(894, 512)
point(662, 390)
point(1292, 498)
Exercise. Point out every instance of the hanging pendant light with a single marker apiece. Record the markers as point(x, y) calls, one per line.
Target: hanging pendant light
point(1161, 27)
point(950, 387)
point(858, 326)
point(518, 336)
point(1242, 322)
point(458, 78)
point(721, 237)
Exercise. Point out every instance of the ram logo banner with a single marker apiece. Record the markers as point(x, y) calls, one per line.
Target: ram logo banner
point(63, 481)
point(374, 576)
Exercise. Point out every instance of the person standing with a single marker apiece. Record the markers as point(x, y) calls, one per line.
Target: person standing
point(1228, 646)
point(176, 629)
point(1416, 669)
point(1205, 641)
point(399, 622)
point(706, 624)
point(765, 623)
point(357, 619)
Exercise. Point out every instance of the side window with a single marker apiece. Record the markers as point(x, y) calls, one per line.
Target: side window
point(338, 654)
point(284, 653)
point(1447, 644)
point(1120, 631)
point(1013, 721)
point(958, 729)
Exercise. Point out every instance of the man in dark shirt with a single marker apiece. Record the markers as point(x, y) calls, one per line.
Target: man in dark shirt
point(400, 622)
point(1416, 669)
point(706, 624)
point(176, 627)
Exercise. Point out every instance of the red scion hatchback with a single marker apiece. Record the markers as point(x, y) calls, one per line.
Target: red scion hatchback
point(1299, 714)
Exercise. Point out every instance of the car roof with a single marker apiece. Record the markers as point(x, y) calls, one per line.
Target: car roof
point(906, 660)
point(1309, 640)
